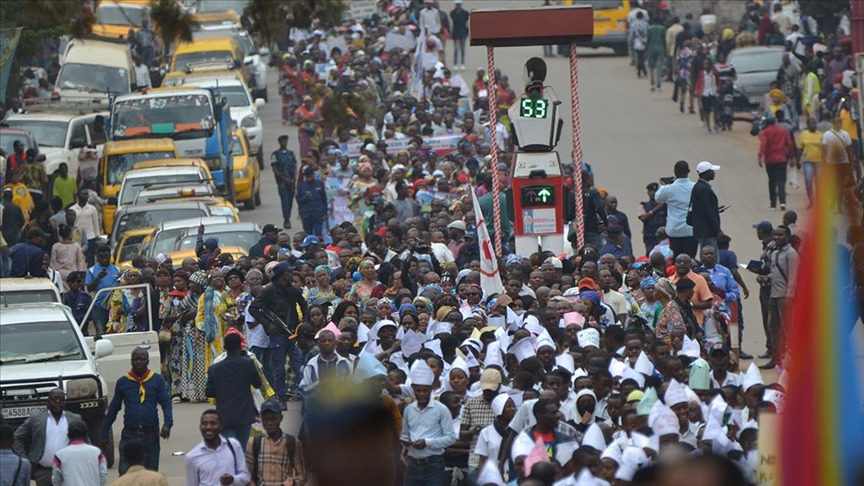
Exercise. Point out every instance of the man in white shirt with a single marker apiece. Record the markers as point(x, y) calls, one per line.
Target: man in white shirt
point(837, 151)
point(142, 75)
point(676, 197)
point(216, 459)
point(43, 434)
point(87, 218)
point(430, 18)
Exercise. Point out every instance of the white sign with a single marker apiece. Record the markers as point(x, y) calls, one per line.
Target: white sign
point(539, 221)
point(362, 9)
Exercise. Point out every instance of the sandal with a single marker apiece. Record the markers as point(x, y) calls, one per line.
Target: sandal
point(176, 400)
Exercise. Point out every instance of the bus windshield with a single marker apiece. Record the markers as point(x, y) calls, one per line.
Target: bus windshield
point(119, 164)
point(116, 14)
point(90, 77)
point(162, 116)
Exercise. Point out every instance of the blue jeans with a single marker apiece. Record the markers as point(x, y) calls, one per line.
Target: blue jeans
point(282, 348)
point(313, 225)
point(240, 433)
point(458, 51)
point(147, 55)
point(286, 195)
point(5, 265)
point(810, 169)
point(263, 357)
point(655, 65)
point(428, 474)
point(150, 439)
point(99, 318)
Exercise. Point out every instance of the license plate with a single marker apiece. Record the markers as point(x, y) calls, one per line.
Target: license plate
point(21, 412)
point(755, 100)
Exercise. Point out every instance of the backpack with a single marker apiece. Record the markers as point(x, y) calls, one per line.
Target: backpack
point(256, 451)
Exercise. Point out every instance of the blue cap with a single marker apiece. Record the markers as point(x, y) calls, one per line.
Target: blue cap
point(271, 405)
point(280, 269)
point(309, 240)
point(211, 243)
point(764, 226)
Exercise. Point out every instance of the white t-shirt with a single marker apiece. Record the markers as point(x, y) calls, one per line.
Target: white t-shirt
point(488, 443)
point(255, 335)
point(836, 141)
point(56, 438)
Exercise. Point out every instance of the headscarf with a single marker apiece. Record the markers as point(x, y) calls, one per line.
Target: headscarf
point(728, 34)
point(233, 330)
point(480, 315)
point(182, 274)
point(648, 282)
point(130, 272)
point(666, 287)
point(200, 278)
point(384, 301)
point(365, 264)
point(513, 260)
point(407, 308)
point(594, 297)
point(443, 311)
point(325, 269)
point(776, 93)
point(421, 301)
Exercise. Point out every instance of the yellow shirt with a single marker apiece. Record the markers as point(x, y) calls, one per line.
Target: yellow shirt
point(810, 144)
point(848, 124)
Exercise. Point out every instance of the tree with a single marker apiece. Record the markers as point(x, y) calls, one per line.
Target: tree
point(270, 18)
point(171, 22)
point(823, 8)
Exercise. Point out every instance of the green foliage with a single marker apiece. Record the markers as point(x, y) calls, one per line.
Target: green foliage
point(269, 18)
point(171, 22)
point(822, 8)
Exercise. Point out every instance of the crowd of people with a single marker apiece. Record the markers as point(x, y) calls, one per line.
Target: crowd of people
point(611, 366)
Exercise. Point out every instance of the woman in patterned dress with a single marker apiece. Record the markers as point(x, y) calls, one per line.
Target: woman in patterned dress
point(190, 366)
point(176, 362)
point(210, 320)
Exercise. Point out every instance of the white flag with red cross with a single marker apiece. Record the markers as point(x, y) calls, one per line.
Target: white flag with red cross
point(490, 277)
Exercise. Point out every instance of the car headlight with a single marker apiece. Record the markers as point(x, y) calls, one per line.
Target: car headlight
point(248, 122)
point(241, 174)
point(81, 388)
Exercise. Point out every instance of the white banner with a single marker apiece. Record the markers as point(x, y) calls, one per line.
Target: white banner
point(490, 277)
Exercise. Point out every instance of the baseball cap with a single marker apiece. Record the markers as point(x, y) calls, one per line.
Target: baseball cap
point(587, 283)
point(471, 235)
point(270, 228)
point(459, 225)
point(615, 230)
point(555, 262)
point(717, 347)
point(279, 269)
point(705, 166)
point(309, 240)
point(764, 226)
point(271, 405)
point(303, 330)
point(490, 379)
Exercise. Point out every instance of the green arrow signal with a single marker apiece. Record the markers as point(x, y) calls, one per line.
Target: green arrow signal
point(544, 194)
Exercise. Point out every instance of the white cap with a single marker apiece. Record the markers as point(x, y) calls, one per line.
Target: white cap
point(666, 422)
point(690, 348)
point(460, 364)
point(613, 452)
point(705, 166)
point(588, 337)
point(616, 367)
point(751, 378)
point(459, 225)
point(471, 361)
point(498, 404)
point(555, 262)
point(675, 394)
point(776, 397)
point(422, 374)
point(564, 452)
point(630, 373)
point(593, 437)
point(493, 355)
point(489, 474)
point(523, 350)
point(644, 365)
point(434, 346)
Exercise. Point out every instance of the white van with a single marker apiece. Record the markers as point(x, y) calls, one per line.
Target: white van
point(92, 69)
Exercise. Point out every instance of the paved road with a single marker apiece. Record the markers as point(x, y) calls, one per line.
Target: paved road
point(630, 136)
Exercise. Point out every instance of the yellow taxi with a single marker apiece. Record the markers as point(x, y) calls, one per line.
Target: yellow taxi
point(131, 245)
point(114, 18)
point(217, 53)
point(120, 157)
point(225, 19)
point(247, 176)
point(610, 24)
point(219, 206)
point(177, 257)
point(181, 78)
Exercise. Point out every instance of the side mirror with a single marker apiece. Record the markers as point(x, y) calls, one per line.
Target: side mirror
point(104, 348)
point(259, 103)
point(238, 63)
point(112, 200)
point(77, 143)
point(40, 158)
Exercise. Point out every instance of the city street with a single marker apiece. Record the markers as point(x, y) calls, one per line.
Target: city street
point(630, 137)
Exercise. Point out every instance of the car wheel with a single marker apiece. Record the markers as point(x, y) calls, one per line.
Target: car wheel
point(260, 157)
point(258, 195)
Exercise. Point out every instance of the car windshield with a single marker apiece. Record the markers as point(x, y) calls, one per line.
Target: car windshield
point(190, 59)
point(7, 142)
point(46, 133)
point(39, 341)
point(119, 164)
point(166, 115)
point(130, 248)
point(165, 241)
point(243, 239)
point(93, 78)
point(236, 95)
point(751, 62)
point(605, 4)
point(237, 6)
point(154, 217)
point(114, 14)
point(27, 297)
point(245, 42)
point(236, 147)
point(132, 187)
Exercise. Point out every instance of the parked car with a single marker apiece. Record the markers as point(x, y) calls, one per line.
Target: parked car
point(756, 68)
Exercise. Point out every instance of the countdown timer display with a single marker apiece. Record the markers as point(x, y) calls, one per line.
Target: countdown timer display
point(533, 108)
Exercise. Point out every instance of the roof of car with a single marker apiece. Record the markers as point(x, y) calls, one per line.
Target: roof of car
point(239, 226)
point(26, 283)
point(23, 313)
point(143, 144)
point(158, 193)
point(54, 115)
point(194, 223)
point(165, 170)
point(14, 131)
point(161, 206)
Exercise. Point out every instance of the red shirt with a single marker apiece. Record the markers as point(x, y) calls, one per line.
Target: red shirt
point(775, 145)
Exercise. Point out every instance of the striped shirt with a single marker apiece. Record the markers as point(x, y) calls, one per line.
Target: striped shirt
point(274, 465)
